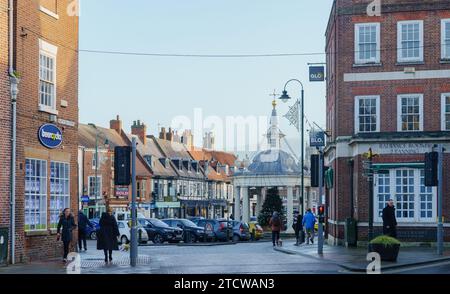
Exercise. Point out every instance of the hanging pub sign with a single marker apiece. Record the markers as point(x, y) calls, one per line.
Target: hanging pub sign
point(316, 73)
point(50, 136)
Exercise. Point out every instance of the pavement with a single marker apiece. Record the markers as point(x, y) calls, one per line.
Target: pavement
point(355, 259)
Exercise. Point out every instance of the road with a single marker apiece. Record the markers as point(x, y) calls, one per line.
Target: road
point(241, 258)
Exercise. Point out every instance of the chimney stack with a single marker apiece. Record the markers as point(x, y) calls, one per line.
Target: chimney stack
point(116, 124)
point(162, 134)
point(139, 129)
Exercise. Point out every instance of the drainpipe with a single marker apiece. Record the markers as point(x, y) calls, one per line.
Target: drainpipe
point(14, 81)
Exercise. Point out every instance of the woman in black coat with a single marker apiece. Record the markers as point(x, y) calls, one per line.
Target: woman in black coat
point(67, 223)
point(107, 235)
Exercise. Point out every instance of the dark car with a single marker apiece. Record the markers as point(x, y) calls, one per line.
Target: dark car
point(159, 232)
point(91, 233)
point(215, 229)
point(195, 219)
point(191, 232)
point(241, 231)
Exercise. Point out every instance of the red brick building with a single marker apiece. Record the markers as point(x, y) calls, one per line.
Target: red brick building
point(106, 193)
point(45, 54)
point(5, 121)
point(388, 89)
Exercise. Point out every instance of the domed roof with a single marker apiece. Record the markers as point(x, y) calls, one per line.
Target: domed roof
point(274, 162)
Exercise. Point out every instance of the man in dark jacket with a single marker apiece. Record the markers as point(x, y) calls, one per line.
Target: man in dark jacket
point(389, 220)
point(83, 223)
point(64, 230)
point(297, 225)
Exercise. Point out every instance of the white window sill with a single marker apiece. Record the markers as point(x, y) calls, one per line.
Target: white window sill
point(409, 62)
point(44, 108)
point(43, 232)
point(367, 64)
point(48, 12)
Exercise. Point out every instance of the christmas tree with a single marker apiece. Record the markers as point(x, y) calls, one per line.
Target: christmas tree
point(272, 203)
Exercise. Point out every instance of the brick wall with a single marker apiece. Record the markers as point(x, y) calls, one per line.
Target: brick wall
point(5, 118)
point(32, 25)
point(341, 95)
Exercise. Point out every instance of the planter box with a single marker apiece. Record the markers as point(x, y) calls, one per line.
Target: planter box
point(387, 253)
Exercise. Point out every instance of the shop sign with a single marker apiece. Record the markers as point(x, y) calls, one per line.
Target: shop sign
point(122, 192)
point(50, 136)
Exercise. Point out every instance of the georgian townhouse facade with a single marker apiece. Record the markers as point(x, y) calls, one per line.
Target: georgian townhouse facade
point(388, 89)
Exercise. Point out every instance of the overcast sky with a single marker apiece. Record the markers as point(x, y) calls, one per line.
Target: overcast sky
point(158, 89)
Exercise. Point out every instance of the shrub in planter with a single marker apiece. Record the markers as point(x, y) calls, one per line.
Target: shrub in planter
point(386, 246)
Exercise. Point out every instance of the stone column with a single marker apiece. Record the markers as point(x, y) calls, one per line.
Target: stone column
point(290, 209)
point(245, 205)
point(237, 203)
point(259, 203)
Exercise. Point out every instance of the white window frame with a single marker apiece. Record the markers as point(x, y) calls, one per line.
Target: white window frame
point(399, 112)
point(99, 179)
point(50, 51)
point(444, 54)
point(357, 122)
point(443, 113)
point(65, 194)
point(417, 200)
point(400, 58)
point(30, 201)
point(377, 58)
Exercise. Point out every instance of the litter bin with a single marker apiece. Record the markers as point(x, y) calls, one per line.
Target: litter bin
point(4, 246)
point(350, 232)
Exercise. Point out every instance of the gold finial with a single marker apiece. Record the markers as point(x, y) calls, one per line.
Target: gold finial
point(275, 95)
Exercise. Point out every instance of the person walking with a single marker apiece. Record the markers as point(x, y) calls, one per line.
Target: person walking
point(277, 224)
point(297, 225)
point(389, 220)
point(66, 225)
point(107, 235)
point(83, 223)
point(309, 220)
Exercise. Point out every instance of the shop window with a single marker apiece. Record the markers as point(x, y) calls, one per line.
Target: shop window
point(59, 190)
point(35, 194)
point(414, 202)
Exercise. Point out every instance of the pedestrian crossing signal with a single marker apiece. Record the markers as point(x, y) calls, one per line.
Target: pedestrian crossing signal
point(431, 169)
point(321, 214)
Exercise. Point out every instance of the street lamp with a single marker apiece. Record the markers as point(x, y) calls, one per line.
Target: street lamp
point(295, 114)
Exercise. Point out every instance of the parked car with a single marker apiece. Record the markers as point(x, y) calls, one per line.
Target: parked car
point(159, 232)
point(256, 231)
point(125, 232)
point(216, 230)
point(241, 231)
point(195, 219)
point(191, 232)
point(91, 233)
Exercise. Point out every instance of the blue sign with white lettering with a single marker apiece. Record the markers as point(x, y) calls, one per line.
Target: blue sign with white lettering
point(317, 139)
point(316, 73)
point(50, 136)
point(85, 199)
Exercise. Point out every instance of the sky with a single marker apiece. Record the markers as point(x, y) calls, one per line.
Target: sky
point(157, 90)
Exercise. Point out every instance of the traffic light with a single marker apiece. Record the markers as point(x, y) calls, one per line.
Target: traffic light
point(122, 165)
point(321, 214)
point(315, 161)
point(431, 169)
